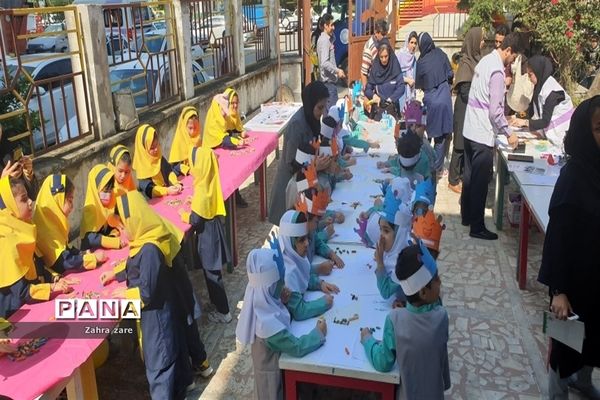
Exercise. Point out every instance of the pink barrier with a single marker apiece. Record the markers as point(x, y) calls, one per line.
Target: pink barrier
point(58, 359)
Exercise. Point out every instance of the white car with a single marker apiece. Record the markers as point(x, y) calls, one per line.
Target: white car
point(156, 42)
point(48, 93)
point(148, 89)
point(53, 43)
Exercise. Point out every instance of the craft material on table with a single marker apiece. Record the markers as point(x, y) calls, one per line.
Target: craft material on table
point(27, 349)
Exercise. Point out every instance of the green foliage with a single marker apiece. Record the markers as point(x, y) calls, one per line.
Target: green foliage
point(559, 28)
point(9, 102)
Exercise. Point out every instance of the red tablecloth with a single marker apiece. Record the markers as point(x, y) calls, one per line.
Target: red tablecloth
point(59, 358)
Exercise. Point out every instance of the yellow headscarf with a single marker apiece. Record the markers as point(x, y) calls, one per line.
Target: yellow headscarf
point(50, 219)
point(143, 225)
point(145, 165)
point(115, 156)
point(17, 240)
point(207, 201)
point(217, 124)
point(182, 141)
point(95, 214)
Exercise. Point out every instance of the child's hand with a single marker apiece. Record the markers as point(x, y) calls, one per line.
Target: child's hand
point(363, 215)
point(348, 175)
point(174, 190)
point(347, 156)
point(378, 202)
point(337, 261)
point(100, 256)
point(286, 293)
point(374, 145)
point(6, 347)
point(325, 268)
point(365, 333)
point(328, 300)
point(351, 161)
point(329, 288)
point(340, 217)
point(322, 162)
point(119, 293)
point(322, 326)
point(386, 171)
point(379, 252)
point(61, 287)
point(107, 277)
point(123, 241)
point(328, 221)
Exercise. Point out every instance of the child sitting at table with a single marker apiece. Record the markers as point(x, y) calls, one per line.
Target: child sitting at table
point(304, 174)
point(313, 204)
point(223, 127)
point(416, 336)
point(424, 198)
point(207, 211)
point(429, 229)
point(330, 146)
point(294, 242)
point(350, 138)
point(264, 323)
point(119, 161)
point(395, 226)
point(19, 280)
point(95, 231)
point(411, 162)
point(155, 175)
point(187, 136)
point(53, 206)
point(150, 274)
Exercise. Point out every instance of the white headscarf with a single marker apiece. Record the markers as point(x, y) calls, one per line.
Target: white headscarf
point(297, 269)
point(402, 221)
point(372, 229)
point(401, 188)
point(262, 314)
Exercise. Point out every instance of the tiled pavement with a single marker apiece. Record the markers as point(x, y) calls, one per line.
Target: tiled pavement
point(496, 347)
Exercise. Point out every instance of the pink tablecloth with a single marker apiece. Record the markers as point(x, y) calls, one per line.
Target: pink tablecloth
point(235, 166)
point(60, 357)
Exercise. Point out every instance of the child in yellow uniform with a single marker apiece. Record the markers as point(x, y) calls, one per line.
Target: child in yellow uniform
point(19, 280)
point(95, 230)
point(205, 217)
point(187, 136)
point(155, 175)
point(52, 208)
point(119, 161)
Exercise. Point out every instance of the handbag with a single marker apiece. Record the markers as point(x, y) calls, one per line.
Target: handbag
point(520, 92)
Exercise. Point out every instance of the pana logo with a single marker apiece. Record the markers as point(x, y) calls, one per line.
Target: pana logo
point(97, 309)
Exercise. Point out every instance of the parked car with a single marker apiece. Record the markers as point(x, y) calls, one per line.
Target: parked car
point(149, 88)
point(201, 33)
point(156, 42)
point(54, 115)
point(288, 22)
point(57, 42)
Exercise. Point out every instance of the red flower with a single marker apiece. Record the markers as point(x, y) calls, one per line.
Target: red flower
point(569, 34)
point(570, 23)
point(554, 2)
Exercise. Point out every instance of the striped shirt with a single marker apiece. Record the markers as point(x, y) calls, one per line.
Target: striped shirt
point(369, 53)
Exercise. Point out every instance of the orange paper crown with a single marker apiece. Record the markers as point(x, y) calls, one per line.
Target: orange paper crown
point(429, 229)
point(316, 206)
point(335, 150)
point(316, 144)
point(310, 173)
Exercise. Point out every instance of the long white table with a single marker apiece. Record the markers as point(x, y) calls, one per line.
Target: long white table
point(273, 117)
point(341, 361)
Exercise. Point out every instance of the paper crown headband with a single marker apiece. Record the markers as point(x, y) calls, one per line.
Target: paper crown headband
point(400, 188)
point(303, 157)
point(425, 192)
point(413, 113)
point(277, 255)
point(328, 125)
point(429, 229)
point(368, 229)
point(330, 149)
point(392, 209)
point(417, 281)
point(316, 206)
point(307, 178)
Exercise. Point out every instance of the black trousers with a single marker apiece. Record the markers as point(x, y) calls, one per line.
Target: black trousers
point(478, 173)
point(455, 170)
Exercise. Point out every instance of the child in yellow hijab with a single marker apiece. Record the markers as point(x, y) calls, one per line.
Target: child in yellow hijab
point(52, 208)
point(187, 136)
point(155, 276)
point(95, 230)
point(207, 209)
point(119, 161)
point(155, 175)
point(19, 280)
point(223, 127)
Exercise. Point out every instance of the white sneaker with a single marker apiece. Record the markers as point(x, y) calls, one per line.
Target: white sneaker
point(204, 370)
point(216, 316)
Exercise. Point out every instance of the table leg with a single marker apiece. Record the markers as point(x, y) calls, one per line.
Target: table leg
point(83, 382)
point(501, 174)
point(262, 177)
point(387, 390)
point(231, 232)
point(523, 243)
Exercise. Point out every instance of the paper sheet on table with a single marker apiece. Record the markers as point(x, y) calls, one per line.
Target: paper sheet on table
point(570, 333)
point(536, 179)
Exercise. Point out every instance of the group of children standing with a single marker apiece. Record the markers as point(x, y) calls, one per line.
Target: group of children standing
point(35, 240)
point(406, 235)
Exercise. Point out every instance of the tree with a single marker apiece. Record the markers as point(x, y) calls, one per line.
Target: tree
point(559, 28)
point(18, 124)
